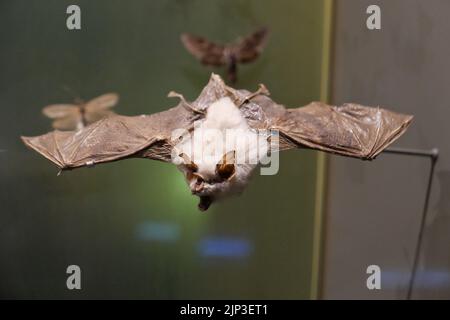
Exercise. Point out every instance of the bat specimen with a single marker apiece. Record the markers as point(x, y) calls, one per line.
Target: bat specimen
point(191, 136)
point(243, 50)
point(80, 114)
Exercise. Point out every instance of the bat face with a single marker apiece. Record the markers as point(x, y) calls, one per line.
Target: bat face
point(77, 116)
point(218, 140)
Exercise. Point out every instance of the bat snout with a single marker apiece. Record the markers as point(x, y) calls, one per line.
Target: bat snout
point(198, 188)
point(197, 184)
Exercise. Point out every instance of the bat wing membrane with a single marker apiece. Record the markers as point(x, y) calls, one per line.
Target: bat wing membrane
point(350, 130)
point(112, 138)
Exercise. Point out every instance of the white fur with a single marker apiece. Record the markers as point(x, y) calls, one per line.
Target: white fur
point(224, 129)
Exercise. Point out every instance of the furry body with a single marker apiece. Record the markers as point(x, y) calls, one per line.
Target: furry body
point(223, 131)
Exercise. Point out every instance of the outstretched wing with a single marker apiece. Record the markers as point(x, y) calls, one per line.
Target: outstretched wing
point(105, 101)
point(113, 138)
point(351, 129)
point(97, 115)
point(55, 111)
point(207, 52)
point(71, 122)
point(250, 47)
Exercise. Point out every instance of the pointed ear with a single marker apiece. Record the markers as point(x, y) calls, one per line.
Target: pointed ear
point(226, 167)
point(188, 162)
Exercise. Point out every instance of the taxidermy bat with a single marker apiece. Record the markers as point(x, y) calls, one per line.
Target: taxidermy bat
point(80, 114)
point(180, 136)
point(243, 50)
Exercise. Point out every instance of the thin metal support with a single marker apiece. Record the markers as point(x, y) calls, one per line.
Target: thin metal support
point(433, 155)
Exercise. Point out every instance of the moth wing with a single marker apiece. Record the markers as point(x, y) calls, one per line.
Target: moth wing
point(102, 102)
point(96, 115)
point(204, 50)
point(250, 47)
point(55, 111)
point(70, 122)
point(112, 139)
point(350, 130)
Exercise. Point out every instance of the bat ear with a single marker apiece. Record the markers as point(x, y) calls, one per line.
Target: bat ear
point(188, 162)
point(226, 167)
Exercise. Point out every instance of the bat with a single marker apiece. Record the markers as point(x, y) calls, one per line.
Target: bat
point(243, 50)
point(78, 115)
point(219, 139)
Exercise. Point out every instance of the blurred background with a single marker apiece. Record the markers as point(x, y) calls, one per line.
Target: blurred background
point(308, 232)
point(133, 227)
point(373, 209)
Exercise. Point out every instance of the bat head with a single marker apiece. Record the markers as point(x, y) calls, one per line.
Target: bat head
point(208, 185)
point(219, 155)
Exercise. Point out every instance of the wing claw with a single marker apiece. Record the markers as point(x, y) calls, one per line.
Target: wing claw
point(184, 103)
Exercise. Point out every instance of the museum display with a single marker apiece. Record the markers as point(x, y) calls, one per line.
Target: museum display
point(220, 138)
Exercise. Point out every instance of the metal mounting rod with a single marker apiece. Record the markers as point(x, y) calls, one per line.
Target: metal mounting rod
point(433, 154)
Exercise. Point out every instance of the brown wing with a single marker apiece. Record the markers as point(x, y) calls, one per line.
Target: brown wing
point(55, 111)
point(113, 138)
point(102, 102)
point(71, 122)
point(96, 115)
point(351, 129)
point(207, 52)
point(250, 47)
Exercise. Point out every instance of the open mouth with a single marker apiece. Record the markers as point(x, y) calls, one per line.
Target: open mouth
point(204, 203)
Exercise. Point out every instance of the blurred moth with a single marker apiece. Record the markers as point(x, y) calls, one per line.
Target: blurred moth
point(80, 114)
point(243, 50)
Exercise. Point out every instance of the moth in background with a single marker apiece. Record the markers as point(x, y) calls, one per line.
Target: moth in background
point(243, 50)
point(181, 136)
point(80, 114)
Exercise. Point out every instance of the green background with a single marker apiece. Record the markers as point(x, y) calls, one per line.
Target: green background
point(95, 218)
